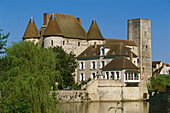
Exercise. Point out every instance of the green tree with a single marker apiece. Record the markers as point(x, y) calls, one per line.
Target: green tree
point(3, 41)
point(26, 76)
point(66, 65)
point(158, 83)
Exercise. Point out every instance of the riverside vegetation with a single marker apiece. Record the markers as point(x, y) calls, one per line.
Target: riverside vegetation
point(29, 73)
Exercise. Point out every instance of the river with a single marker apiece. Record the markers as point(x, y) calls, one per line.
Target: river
point(102, 107)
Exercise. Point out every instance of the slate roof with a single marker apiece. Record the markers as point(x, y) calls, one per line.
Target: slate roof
point(31, 31)
point(126, 42)
point(52, 28)
point(94, 32)
point(116, 49)
point(120, 63)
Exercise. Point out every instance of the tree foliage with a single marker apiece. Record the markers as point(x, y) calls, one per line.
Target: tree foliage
point(66, 65)
point(158, 83)
point(3, 41)
point(26, 76)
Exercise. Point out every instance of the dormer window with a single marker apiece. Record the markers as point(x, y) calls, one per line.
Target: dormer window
point(113, 52)
point(94, 53)
point(126, 52)
point(102, 50)
point(85, 54)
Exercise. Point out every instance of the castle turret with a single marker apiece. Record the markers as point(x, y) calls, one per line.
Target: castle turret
point(52, 34)
point(31, 33)
point(139, 30)
point(94, 35)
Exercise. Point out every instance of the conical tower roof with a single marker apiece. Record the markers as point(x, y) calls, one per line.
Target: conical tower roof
point(52, 28)
point(94, 32)
point(31, 31)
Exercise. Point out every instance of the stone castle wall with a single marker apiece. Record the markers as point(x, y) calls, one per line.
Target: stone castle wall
point(111, 90)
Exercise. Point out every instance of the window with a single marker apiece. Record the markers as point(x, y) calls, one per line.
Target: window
point(107, 75)
point(117, 75)
point(112, 75)
point(129, 76)
point(113, 52)
point(85, 54)
point(126, 52)
point(103, 63)
point(146, 46)
point(134, 62)
point(94, 53)
point(51, 42)
point(82, 65)
point(93, 65)
point(63, 42)
point(93, 76)
point(82, 77)
point(145, 33)
point(78, 43)
point(136, 76)
point(102, 50)
point(126, 76)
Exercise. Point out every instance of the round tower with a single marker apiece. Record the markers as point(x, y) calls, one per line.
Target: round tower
point(31, 33)
point(52, 34)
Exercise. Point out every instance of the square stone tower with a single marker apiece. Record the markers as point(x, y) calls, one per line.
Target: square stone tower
point(139, 30)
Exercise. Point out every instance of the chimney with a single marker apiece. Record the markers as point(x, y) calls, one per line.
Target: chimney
point(46, 18)
point(79, 20)
point(131, 56)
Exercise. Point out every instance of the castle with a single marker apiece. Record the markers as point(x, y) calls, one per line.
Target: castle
point(125, 64)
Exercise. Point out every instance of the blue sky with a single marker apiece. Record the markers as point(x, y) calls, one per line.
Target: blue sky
point(111, 16)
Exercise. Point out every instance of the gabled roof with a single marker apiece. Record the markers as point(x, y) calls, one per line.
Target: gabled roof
point(52, 28)
point(126, 42)
point(115, 49)
point(120, 63)
point(94, 32)
point(31, 31)
point(69, 26)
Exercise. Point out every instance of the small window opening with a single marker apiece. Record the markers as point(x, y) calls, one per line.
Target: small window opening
point(51, 42)
point(95, 53)
point(113, 52)
point(78, 43)
point(146, 46)
point(126, 52)
point(85, 54)
point(63, 42)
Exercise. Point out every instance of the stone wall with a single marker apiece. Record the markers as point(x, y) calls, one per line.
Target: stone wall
point(111, 90)
point(72, 96)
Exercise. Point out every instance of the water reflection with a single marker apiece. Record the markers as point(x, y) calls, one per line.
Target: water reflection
point(102, 107)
